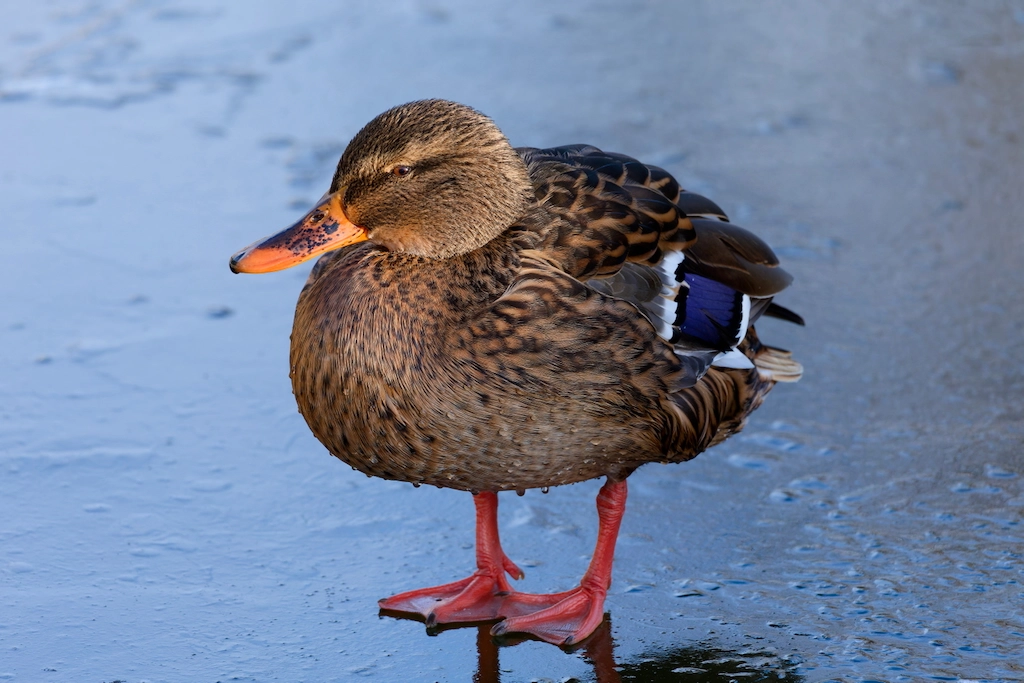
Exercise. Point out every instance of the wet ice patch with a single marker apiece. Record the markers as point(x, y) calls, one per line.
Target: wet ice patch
point(783, 496)
point(86, 349)
point(102, 61)
point(997, 472)
point(219, 312)
point(210, 485)
point(638, 588)
point(770, 440)
point(971, 487)
point(937, 72)
point(749, 462)
point(808, 488)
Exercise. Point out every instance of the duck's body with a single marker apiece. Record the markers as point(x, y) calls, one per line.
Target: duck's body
point(520, 319)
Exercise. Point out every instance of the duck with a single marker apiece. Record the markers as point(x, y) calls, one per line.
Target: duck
point(489, 318)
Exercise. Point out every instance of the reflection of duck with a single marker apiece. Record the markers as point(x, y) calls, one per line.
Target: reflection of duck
point(700, 664)
point(514, 319)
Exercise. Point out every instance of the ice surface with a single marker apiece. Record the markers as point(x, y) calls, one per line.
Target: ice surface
point(166, 516)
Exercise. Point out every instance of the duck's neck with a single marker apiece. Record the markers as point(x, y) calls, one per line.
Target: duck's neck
point(453, 287)
point(367, 291)
point(369, 314)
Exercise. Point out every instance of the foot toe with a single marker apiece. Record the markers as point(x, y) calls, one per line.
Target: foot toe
point(565, 623)
point(477, 598)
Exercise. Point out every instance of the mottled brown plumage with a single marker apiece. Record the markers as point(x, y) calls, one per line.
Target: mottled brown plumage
point(519, 319)
point(497, 367)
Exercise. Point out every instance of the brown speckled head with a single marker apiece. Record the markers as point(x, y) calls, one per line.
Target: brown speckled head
point(432, 178)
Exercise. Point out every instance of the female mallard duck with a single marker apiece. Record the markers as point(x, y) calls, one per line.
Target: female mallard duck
point(489, 319)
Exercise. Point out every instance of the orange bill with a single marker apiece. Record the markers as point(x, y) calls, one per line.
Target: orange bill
point(321, 230)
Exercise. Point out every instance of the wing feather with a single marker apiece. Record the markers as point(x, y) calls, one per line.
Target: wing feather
point(629, 231)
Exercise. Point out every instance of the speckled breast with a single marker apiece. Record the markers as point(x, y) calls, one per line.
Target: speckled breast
point(379, 388)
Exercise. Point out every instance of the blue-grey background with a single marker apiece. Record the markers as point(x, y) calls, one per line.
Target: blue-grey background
point(165, 514)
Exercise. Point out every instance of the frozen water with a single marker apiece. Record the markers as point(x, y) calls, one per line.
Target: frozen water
point(166, 516)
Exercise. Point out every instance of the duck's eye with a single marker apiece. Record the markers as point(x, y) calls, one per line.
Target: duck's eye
point(401, 171)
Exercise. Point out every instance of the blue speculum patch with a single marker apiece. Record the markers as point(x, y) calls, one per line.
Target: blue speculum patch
point(709, 312)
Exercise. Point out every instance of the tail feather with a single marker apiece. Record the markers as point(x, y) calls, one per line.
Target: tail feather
point(776, 311)
point(777, 365)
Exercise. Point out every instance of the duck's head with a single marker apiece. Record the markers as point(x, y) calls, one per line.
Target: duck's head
point(431, 178)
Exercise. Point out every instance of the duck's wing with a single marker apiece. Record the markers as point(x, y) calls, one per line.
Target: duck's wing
point(551, 332)
point(630, 231)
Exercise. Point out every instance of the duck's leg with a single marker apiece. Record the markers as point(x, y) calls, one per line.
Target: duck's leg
point(569, 617)
point(477, 597)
